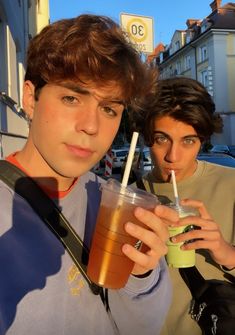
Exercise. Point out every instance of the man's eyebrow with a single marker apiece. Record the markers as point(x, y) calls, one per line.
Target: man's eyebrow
point(194, 135)
point(161, 132)
point(168, 136)
point(82, 90)
point(114, 101)
point(75, 88)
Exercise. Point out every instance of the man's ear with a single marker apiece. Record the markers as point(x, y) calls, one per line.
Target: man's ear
point(28, 98)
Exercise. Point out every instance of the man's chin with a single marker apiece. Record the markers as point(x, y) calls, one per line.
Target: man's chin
point(73, 171)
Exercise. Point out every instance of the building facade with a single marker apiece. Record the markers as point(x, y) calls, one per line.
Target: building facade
point(20, 20)
point(205, 51)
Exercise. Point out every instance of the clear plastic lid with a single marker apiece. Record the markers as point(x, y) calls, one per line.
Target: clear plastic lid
point(130, 193)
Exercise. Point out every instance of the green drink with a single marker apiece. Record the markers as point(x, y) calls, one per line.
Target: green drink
point(176, 257)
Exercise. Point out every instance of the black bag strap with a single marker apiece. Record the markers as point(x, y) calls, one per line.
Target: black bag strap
point(51, 215)
point(140, 184)
point(194, 281)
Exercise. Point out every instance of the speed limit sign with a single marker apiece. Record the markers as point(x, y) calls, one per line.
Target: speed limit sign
point(140, 31)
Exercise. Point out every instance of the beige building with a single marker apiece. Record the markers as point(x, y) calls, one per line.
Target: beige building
point(205, 51)
point(20, 20)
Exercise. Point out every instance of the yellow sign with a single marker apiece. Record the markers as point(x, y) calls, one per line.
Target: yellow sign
point(140, 31)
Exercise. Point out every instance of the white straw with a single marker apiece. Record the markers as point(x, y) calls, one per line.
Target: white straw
point(130, 159)
point(175, 188)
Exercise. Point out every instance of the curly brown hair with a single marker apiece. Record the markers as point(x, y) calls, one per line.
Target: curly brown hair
point(89, 48)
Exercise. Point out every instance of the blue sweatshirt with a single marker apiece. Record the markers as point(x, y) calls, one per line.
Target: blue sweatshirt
point(43, 293)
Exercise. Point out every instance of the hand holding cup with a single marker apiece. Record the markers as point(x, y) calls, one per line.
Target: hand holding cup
point(153, 234)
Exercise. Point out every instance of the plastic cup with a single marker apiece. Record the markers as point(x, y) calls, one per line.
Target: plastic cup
point(176, 257)
point(108, 266)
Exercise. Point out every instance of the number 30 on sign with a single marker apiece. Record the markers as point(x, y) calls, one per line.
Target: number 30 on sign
point(140, 30)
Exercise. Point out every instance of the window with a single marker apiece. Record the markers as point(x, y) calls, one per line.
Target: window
point(171, 72)
point(3, 72)
point(189, 35)
point(205, 25)
point(177, 45)
point(203, 28)
point(178, 68)
point(203, 53)
point(188, 38)
point(204, 78)
point(187, 62)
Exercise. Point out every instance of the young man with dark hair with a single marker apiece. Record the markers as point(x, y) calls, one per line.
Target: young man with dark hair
point(180, 119)
point(81, 74)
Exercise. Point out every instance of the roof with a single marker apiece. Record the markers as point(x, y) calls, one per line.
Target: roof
point(224, 17)
point(220, 18)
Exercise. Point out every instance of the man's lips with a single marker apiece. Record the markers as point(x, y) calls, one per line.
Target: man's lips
point(79, 151)
point(168, 170)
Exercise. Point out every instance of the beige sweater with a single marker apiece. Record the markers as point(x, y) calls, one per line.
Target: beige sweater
point(215, 186)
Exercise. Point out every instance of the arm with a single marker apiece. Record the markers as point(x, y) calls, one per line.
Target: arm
point(141, 307)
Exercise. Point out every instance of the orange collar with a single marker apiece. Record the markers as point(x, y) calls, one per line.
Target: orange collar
point(51, 193)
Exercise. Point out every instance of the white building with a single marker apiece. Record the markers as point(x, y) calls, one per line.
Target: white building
point(19, 21)
point(205, 51)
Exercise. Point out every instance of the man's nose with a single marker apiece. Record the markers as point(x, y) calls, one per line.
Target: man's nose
point(173, 153)
point(88, 120)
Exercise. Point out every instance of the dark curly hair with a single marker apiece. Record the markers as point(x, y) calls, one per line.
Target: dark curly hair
point(183, 99)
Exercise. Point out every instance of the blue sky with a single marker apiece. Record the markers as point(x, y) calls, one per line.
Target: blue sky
point(168, 15)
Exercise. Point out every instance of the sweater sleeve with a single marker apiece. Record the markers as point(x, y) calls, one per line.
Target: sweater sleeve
point(141, 307)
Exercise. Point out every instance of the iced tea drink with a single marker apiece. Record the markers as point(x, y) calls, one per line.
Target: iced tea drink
point(108, 266)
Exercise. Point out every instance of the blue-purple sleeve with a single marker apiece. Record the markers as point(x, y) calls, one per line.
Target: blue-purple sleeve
point(141, 307)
